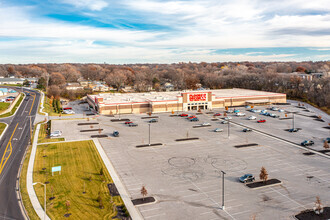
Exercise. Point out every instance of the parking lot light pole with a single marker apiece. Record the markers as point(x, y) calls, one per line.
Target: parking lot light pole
point(149, 134)
point(228, 129)
point(223, 189)
point(293, 120)
point(44, 197)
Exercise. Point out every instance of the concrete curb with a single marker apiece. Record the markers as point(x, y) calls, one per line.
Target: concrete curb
point(41, 103)
point(29, 179)
point(17, 106)
point(133, 211)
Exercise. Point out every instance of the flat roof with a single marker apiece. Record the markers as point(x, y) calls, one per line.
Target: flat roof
point(112, 98)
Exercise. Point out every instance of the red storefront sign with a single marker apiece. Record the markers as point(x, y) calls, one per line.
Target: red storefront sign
point(197, 97)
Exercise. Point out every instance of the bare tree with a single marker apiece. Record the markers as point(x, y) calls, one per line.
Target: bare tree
point(318, 208)
point(67, 205)
point(326, 145)
point(263, 174)
point(144, 192)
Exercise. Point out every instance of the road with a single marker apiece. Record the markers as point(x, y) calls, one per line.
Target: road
point(12, 147)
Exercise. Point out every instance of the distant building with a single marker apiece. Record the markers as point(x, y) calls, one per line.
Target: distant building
point(98, 86)
point(11, 81)
point(3, 91)
point(84, 83)
point(74, 86)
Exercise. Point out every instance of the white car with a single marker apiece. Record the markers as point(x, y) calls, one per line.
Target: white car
point(252, 117)
point(68, 112)
point(240, 114)
point(274, 109)
point(56, 133)
point(230, 111)
point(281, 110)
point(228, 118)
point(206, 124)
point(257, 110)
point(218, 130)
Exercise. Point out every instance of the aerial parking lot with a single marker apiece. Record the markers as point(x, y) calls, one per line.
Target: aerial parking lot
point(185, 176)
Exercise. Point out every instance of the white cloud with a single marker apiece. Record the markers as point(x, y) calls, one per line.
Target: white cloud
point(94, 5)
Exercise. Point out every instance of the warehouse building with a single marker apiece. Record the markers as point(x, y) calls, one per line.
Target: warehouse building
point(128, 103)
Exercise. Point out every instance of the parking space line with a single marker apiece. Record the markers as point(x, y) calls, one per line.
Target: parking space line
point(238, 213)
point(152, 216)
point(148, 210)
point(288, 198)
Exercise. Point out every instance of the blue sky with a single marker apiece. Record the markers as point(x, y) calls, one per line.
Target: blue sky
point(162, 31)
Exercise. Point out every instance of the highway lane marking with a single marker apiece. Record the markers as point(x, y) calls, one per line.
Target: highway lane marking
point(24, 108)
point(34, 97)
point(4, 159)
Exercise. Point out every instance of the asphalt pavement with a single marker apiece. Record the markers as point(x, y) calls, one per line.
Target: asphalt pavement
point(12, 147)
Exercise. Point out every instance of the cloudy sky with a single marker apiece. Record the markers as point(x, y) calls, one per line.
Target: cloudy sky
point(162, 31)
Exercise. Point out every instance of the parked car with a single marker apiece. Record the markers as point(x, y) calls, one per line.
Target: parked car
point(67, 108)
point(115, 133)
point(307, 143)
point(328, 140)
point(263, 111)
point(246, 178)
point(128, 122)
point(236, 111)
point(224, 122)
point(257, 110)
point(261, 121)
point(240, 114)
point(194, 119)
point(252, 117)
point(228, 118)
point(281, 110)
point(274, 109)
point(230, 111)
point(293, 130)
point(153, 120)
point(183, 115)
point(217, 114)
point(247, 129)
point(132, 125)
point(218, 130)
point(206, 124)
point(274, 115)
point(68, 112)
point(192, 116)
point(55, 133)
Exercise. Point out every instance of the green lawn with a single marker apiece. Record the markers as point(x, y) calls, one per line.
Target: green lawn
point(43, 137)
point(49, 108)
point(13, 109)
point(81, 165)
point(2, 127)
point(4, 106)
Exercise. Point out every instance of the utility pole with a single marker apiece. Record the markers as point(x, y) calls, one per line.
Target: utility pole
point(149, 134)
point(223, 189)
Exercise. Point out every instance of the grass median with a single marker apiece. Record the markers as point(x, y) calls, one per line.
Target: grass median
point(2, 127)
point(14, 108)
point(81, 172)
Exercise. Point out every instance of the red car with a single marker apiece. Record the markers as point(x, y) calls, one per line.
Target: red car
point(67, 108)
point(217, 114)
point(183, 115)
point(192, 116)
point(261, 121)
point(128, 122)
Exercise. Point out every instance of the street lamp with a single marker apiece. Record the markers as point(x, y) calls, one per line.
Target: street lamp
point(228, 128)
point(44, 197)
point(149, 134)
point(223, 189)
point(293, 120)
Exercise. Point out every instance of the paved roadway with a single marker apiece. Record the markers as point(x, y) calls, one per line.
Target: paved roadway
point(12, 147)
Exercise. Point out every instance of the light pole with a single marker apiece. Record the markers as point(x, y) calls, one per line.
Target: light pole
point(228, 129)
point(223, 189)
point(149, 133)
point(44, 197)
point(292, 120)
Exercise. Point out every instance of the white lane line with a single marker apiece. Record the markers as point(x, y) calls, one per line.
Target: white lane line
point(289, 198)
point(152, 216)
point(147, 210)
point(238, 213)
point(24, 108)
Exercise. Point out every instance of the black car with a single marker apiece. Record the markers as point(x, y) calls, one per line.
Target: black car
point(247, 178)
point(327, 140)
point(132, 125)
point(247, 130)
point(153, 120)
point(115, 133)
point(307, 143)
point(293, 130)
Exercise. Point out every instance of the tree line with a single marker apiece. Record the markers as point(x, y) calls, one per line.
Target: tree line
point(266, 76)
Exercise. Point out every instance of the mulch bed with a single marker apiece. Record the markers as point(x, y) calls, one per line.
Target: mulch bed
point(327, 127)
point(91, 130)
point(147, 117)
point(314, 116)
point(123, 119)
point(318, 119)
point(90, 114)
point(141, 201)
point(174, 115)
point(262, 183)
point(99, 136)
point(122, 213)
point(113, 189)
point(324, 151)
point(285, 118)
point(89, 123)
point(187, 139)
point(209, 112)
point(109, 115)
point(281, 104)
point(147, 145)
point(246, 145)
point(308, 153)
point(201, 126)
point(199, 113)
point(215, 119)
point(293, 132)
point(310, 214)
point(305, 110)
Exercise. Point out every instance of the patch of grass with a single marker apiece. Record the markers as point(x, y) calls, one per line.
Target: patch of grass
point(14, 108)
point(22, 185)
point(49, 108)
point(2, 127)
point(4, 106)
point(43, 135)
point(81, 165)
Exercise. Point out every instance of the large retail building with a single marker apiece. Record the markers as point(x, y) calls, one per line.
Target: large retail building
point(126, 103)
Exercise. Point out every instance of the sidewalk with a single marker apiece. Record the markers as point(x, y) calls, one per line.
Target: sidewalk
point(29, 179)
point(133, 211)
